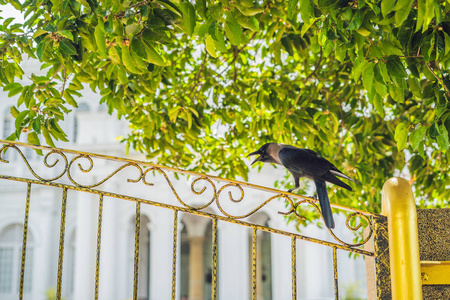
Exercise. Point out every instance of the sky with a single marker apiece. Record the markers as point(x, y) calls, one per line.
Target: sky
point(8, 11)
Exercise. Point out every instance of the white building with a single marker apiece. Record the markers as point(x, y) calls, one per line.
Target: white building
point(91, 129)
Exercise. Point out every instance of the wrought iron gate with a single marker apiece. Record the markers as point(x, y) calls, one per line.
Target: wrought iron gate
point(70, 164)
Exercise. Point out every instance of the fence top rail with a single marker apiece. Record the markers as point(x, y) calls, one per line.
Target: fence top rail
point(191, 173)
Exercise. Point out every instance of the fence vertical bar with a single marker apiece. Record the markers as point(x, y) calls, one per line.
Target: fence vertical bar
point(99, 238)
point(24, 242)
point(254, 264)
point(335, 273)
point(294, 267)
point(174, 254)
point(136, 250)
point(399, 206)
point(214, 260)
point(61, 243)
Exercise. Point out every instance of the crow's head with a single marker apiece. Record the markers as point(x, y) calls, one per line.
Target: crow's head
point(268, 153)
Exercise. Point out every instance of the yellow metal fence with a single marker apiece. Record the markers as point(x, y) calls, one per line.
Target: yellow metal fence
point(68, 160)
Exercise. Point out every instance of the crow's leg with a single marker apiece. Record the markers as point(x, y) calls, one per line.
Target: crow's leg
point(297, 184)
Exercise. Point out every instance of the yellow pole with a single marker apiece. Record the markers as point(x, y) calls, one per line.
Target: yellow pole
point(399, 206)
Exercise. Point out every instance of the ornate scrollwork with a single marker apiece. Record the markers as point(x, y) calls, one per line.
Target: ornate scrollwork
point(233, 189)
point(357, 226)
point(46, 163)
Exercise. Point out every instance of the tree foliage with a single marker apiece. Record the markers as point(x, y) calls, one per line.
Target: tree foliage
point(364, 83)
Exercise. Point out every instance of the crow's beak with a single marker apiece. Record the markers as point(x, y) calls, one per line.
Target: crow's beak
point(255, 153)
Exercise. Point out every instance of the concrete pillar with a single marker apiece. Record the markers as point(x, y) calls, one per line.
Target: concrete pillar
point(196, 227)
point(196, 268)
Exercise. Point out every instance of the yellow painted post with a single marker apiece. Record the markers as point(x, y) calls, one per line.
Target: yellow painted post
point(399, 206)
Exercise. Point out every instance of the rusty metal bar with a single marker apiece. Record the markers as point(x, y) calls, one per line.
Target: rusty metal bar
point(335, 273)
point(61, 243)
point(99, 238)
point(24, 242)
point(294, 267)
point(174, 254)
point(136, 251)
point(254, 264)
point(214, 260)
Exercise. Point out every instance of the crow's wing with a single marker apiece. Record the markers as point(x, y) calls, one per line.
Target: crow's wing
point(305, 162)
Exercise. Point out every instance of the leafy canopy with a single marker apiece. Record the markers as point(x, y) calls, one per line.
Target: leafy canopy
point(364, 83)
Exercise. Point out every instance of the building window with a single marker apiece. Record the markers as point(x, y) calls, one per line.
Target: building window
point(10, 262)
point(7, 131)
point(184, 263)
point(7, 125)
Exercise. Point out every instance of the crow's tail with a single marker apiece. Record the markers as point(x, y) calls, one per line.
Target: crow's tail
point(321, 188)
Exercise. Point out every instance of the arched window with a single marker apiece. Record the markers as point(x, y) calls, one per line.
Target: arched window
point(196, 258)
point(10, 262)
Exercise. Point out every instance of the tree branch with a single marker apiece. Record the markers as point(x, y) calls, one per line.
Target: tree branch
point(50, 80)
point(439, 79)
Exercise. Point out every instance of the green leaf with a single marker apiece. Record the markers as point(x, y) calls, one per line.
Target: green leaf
point(67, 34)
point(378, 103)
point(248, 22)
point(67, 47)
point(401, 135)
point(386, 7)
point(20, 117)
point(210, 47)
point(152, 55)
point(33, 139)
point(41, 48)
point(39, 32)
point(307, 12)
point(170, 6)
point(368, 76)
point(128, 61)
point(132, 29)
point(389, 49)
point(36, 125)
point(233, 32)
point(69, 99)
point(414, 87)
point(356, 21)
point(359, 66)
point(403, 8)
point(219, 40)
point(292, 4)
point(100, 40)
point(14, 111)
point(188, 11)
point(48, 137)
point(395, 67)
point(442, 138)
point(114, 55)
point(417, 137)
point(447, 43)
